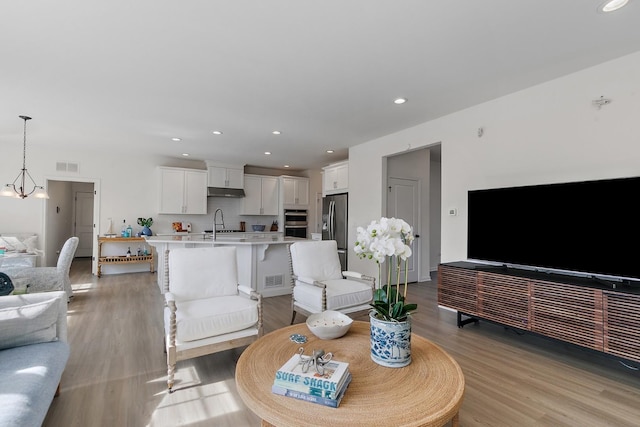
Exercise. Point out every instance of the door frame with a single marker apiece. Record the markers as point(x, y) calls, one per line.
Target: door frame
point(96, 212)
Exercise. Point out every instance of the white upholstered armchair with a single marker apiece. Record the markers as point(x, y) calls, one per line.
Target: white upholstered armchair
point(206, 310)
point(46, 279)
point(319, 284)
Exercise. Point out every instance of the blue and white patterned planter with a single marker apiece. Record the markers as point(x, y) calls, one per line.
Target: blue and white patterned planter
point(390, 342)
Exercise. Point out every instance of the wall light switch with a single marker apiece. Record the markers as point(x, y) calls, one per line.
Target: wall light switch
point(453, 211)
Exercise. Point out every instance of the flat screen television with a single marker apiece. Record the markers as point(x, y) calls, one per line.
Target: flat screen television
point(589, 228)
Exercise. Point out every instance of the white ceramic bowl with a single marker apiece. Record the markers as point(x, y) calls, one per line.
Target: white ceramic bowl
point(329, 324)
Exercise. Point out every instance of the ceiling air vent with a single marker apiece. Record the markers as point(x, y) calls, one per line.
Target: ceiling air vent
point(68, 167)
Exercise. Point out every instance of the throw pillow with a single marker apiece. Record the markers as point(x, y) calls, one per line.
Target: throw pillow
point(12, 244)
point(28, 324)
point(31, 244)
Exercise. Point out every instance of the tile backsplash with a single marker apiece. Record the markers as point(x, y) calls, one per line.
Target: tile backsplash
point(199, 223)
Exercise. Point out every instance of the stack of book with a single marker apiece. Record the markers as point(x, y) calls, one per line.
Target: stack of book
point(325, 389)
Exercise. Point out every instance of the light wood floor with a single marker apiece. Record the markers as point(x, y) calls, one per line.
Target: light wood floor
point(116, 372)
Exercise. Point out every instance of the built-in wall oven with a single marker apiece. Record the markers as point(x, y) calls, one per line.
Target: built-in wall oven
point(295, 223)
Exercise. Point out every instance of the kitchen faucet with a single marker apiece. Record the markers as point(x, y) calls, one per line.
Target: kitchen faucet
point(215, 223)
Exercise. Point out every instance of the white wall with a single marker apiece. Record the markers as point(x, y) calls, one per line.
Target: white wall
point(547, 133)
point(128, 186)
point(128, 190)
point(544, 134)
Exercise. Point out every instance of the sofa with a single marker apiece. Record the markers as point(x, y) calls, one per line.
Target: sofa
point(33, 354)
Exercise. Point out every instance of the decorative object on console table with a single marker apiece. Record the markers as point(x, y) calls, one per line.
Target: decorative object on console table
point(146, 223)
point(390, 318)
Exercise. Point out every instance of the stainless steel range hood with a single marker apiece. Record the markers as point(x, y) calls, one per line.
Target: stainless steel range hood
point(225, 192)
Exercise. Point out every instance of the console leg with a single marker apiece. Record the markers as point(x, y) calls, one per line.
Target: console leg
point(462, 322)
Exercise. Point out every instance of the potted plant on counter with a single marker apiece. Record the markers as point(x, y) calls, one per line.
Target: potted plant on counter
point(146, 223)
point(389, 239)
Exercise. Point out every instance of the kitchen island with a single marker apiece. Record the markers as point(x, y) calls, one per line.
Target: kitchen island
point(263, 259)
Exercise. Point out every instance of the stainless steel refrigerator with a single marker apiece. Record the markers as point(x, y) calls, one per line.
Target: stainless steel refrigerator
point(334, 223)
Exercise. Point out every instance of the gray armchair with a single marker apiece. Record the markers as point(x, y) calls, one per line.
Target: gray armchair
point(47, 279)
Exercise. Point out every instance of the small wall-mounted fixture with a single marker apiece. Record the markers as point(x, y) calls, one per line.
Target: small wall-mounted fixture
point(453, 211)
point(480, 132)
point(598, 103)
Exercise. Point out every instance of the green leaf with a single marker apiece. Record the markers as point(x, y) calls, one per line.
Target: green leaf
point(411, 307)
point(380, 295)
point(398, 310)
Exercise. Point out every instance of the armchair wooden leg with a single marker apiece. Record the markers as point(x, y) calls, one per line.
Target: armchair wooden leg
point(171, 367)
point(171, 370)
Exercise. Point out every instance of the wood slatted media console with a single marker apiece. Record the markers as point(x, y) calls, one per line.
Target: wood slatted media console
point(571, 309)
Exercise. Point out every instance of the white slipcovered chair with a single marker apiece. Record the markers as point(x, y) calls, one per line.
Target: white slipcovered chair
point(206, 311)
point(319, 283)
point(47, 279)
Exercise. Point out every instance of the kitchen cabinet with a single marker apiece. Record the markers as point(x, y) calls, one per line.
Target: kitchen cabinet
point(225, 176)
point(182, 191)
point(335, 178)
point(261, 195)
point(294, 191)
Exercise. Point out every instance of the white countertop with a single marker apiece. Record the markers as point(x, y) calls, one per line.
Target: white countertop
point(224, 239)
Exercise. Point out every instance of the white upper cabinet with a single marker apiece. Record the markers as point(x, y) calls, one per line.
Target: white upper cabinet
point(295, 191)
point(335, 178)
point(182, 191)
point(261, 195)
point(225, 176)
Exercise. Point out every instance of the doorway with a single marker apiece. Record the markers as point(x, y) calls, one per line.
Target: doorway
point(423, 166)
point(71, 210)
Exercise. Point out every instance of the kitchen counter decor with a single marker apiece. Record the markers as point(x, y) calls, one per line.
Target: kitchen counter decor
point(146, 223)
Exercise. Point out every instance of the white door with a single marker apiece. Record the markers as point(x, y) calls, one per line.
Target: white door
point(83, 223)
point(403, 201)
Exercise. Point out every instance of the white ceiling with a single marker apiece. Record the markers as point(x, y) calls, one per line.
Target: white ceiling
point(130, 75)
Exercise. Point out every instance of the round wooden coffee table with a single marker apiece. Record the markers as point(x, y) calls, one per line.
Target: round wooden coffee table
point(428, 392)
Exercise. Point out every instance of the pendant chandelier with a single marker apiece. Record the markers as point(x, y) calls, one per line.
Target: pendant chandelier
point(17, 189)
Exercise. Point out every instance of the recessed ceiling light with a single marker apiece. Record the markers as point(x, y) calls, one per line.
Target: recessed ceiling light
point(176, 139)
point(185, 154)
point(217, 132)
point(287, 166)
point(276, 132)
point(612, 5)
point(267, 153)
point(330, 151)
point(400, 101)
